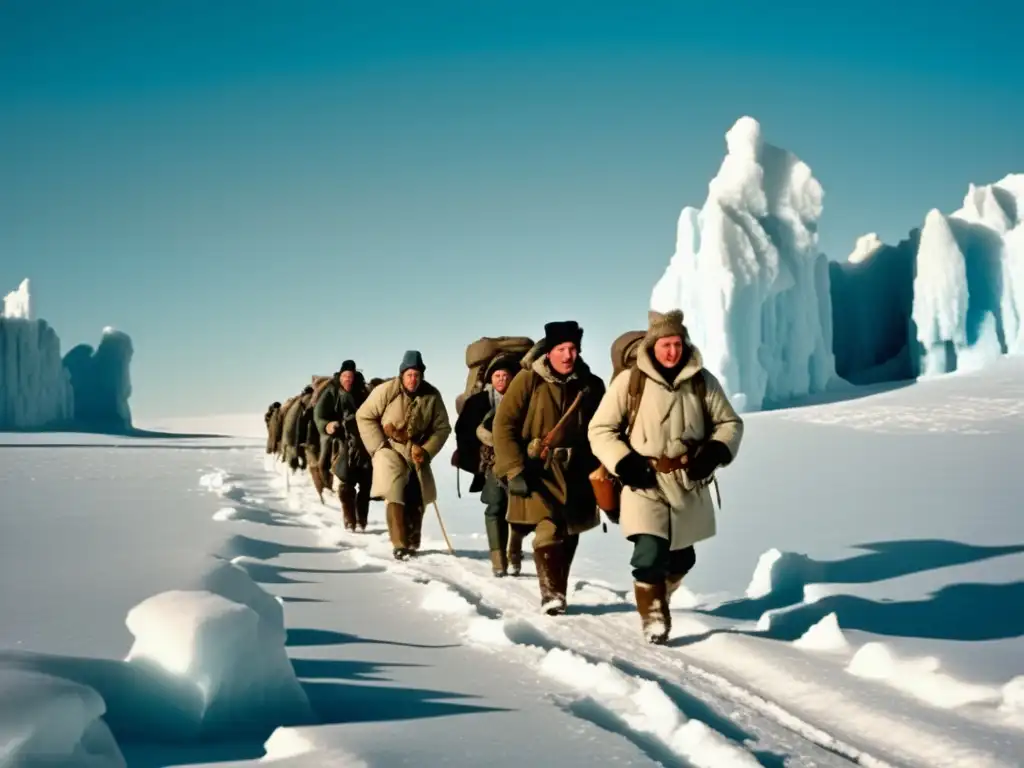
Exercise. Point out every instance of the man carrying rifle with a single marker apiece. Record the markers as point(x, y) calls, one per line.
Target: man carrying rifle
point(542, 452)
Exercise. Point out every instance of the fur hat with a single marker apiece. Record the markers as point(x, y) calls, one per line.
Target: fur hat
point(503, 362)
point(308, 390)
point(348, 365)
point(660, 326)
point(562, 332)
point(412, 360)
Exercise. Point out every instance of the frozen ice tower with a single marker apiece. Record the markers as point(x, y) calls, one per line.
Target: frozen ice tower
point(35, 389)
point(747, 273)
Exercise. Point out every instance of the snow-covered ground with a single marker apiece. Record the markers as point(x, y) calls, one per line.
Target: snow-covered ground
point(860, 605)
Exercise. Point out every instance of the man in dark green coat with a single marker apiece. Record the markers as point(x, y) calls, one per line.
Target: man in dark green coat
point(335, 417)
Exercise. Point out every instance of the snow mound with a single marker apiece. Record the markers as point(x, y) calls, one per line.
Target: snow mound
point(35, 390)
point(747, 273)
point(866, 247)
point(826, 635)
point(52, 722)
point(227, 642)
point(18, 304)
point(1013, 696)
point(779, 572)
point(225, 513)
point(644, 708)
point(102, 381)
point(301, 746)
point(918, 677)
point(488, 632)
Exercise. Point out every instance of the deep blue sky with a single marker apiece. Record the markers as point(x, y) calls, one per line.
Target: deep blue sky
point(255, 190)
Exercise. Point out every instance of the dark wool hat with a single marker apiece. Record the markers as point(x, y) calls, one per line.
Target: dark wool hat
point(412, 360)
point(348, 365)
point(504, 362)
point(308, 390)
point(561, 332)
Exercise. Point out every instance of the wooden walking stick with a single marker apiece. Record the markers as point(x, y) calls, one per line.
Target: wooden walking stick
point(444, 533)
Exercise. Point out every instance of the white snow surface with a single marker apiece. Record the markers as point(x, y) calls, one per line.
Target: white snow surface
point(35, 389)
point(749, 277)
point(857, 609)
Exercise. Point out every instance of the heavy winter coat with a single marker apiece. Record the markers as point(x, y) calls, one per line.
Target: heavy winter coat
point(274, 431)
point(467, 437)
point(423, 417)
point(290, 438)
point(533, 404)
point(669, 420)
point(335, 404)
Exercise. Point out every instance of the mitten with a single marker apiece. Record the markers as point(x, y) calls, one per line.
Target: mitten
point(636, 471)
point(518, 486)
point(705, 459)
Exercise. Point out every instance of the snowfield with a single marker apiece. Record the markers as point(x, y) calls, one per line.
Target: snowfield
point(858, 607)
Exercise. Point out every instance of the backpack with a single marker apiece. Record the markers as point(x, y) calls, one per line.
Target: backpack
point(479, 356)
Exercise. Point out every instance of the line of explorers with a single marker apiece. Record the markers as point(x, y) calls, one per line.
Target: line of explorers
point(547, 444)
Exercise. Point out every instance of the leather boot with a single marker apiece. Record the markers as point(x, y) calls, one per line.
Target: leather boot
point(363, 507)
point(499, 565)
point(347, 495)
point(515, 551)
point(550, 562)
point(414, 528)
point(571, 543)
point(652, 605)
point(397, 530)
point(317, 478)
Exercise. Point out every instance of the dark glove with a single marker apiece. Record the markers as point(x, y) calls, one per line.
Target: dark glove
point(636, 471)
point(705, 459)
point(518, 486)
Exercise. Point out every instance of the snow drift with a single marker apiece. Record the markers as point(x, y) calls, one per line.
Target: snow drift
point(47, 721)
point(775, 320)
point(35, 390)
point(749, 278)
point(86, 390)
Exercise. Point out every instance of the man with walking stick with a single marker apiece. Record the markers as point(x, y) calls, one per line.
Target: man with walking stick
point(404, 425)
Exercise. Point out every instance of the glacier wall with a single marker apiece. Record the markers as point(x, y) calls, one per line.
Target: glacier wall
point(776, 321)
point(35, 389)
point(101, 380)
point(749, 277)
point(86, 389)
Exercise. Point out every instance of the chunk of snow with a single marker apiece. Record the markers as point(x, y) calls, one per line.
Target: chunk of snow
point(1013, 696)
point(865, 248)
point(644, 708)
point(490, 632)
point(440, 598)
point(49, 721)
point(35, 390)
point(225, 513)
point(778, 571)
point(232, 655)
point(823, 636)
point(918, 677)
point(749, 278)
point(18, 304)
point(306, 746)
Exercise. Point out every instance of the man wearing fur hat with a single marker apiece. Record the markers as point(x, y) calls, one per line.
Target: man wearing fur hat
point(683, 430)
point(476, 452)
point(542, 452)
point(291, 440)
point(404, 425)
point(335, 417)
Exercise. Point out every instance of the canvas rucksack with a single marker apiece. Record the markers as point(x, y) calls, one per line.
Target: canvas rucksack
point(481, 353)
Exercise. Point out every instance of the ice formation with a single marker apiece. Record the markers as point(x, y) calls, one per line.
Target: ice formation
point(102, 382)
point(35, 390)
point(227, 641)
point(749, 277)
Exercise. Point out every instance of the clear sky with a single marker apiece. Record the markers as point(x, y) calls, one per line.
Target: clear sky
point(256, 190)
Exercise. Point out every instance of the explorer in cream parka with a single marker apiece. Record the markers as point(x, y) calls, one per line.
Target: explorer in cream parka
point(669, 422)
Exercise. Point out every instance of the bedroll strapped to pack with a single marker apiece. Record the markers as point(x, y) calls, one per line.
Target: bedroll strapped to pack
point(481, 353)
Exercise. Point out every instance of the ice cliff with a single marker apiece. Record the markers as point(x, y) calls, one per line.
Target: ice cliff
point(775, 320)
point(86, 390)
point(35, 389)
